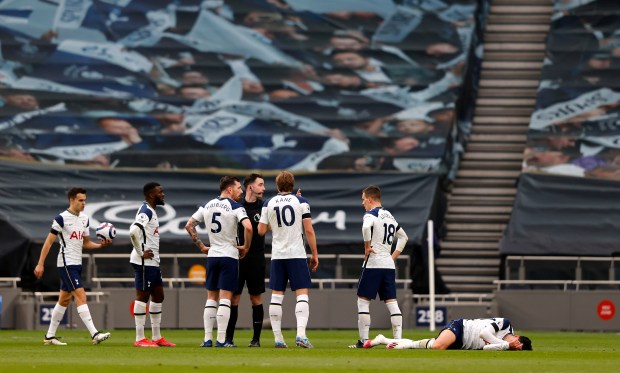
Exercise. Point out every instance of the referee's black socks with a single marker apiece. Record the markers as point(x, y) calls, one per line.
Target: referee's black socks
point(258, 314)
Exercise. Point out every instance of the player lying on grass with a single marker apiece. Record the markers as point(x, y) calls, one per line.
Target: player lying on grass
point(494, 334)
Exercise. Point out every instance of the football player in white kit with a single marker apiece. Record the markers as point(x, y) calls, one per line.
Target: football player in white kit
point(288, 216)
point(378, 276)
point(71, 228)
point(495, 334)
point(144, 235)
point(222, 216)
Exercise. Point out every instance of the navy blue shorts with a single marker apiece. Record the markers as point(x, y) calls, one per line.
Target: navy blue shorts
point(147, 277)
point(70, 277)
point(294, 270)
point(456, 327)
point(222, 273)
point(375, 281)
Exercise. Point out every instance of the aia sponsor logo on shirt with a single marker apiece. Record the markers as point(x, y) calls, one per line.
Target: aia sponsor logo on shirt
point(77, 235)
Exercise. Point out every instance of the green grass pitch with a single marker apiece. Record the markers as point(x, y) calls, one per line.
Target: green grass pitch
point(553, 352)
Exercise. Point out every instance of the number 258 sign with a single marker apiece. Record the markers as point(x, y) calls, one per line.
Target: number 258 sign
point(423, 316)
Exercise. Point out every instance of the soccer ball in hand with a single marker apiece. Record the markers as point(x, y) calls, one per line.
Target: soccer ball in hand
point(106, 231)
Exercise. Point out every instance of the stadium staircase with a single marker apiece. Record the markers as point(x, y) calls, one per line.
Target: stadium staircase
point(483, 192)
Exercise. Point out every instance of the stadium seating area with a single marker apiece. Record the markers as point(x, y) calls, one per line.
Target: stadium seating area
point(575, 128)
point(360, 85)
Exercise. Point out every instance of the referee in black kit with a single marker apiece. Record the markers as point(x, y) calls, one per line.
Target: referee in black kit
point(252, 267)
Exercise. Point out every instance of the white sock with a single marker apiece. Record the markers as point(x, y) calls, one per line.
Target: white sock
point(209, 318)
point(302, 313)
point(57, 314)
point(396, 319)
point(84, 313)
point(155, 313)
point(139, 314)
point(363, 318)
point(275, 315)
point(223, 315)
point(423, 343)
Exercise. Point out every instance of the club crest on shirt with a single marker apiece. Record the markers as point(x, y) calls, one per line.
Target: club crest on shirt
point(257, 217)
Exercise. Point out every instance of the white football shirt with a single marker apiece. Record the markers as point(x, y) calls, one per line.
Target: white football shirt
point(284, 213)
point(221, 217)
point(70, 230)
point(383, 227)
point(472, 328)
point(146, 219)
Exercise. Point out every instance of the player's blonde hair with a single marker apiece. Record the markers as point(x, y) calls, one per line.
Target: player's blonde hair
point(285, 182)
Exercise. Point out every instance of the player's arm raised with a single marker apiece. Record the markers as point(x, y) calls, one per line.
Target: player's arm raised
point(190, 227)
point(40, 268)
point(311, 237)
point(400, 244)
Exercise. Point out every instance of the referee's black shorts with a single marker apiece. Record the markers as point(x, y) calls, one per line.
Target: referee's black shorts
point(252, 273)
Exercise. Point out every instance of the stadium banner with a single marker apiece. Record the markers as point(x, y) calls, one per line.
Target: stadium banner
point(561, 215)
point(31, 195)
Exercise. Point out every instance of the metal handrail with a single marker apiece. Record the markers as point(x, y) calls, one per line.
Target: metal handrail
point(457, 298)
point(182, 280)
point(564, 283)
point(14, 280)
point(578, 260)
point(42, 294)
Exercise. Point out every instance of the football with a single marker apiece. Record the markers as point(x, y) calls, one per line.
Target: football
point(106, 231)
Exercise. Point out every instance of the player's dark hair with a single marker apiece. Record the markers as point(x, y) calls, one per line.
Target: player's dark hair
point(74, 192)
point(527, 343)
point(251, 178)
point(227, 181)
point(373, 192)
point(285, 182)
point(148, 187)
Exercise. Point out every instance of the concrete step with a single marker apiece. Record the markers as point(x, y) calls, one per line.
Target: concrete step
point(515, 37)
point(456, 271)
point(507, 92)
point(495, 183)
point(521, 83)
point(491, 165)
point(477, 237)
point(497, 147)
point(529, 102)
point(503, 110)
point(456, 262)
point(480, 209)
point(510, 74)
point(484, 191)
point(516, 28)
point(457, 245)
point(532, 19)
point(494, 119)
point(482, 254)
point(471, 288)
point(496, 156)
point(497, 139)
point(480, 200)
point(521, 9)
point(496, 174)
point(470, 279)
point(476, 227)
point(477, 218)
point(522, 2)
point(509, 65)
point(499, 129)
point(512, 46)
point(491, 55)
